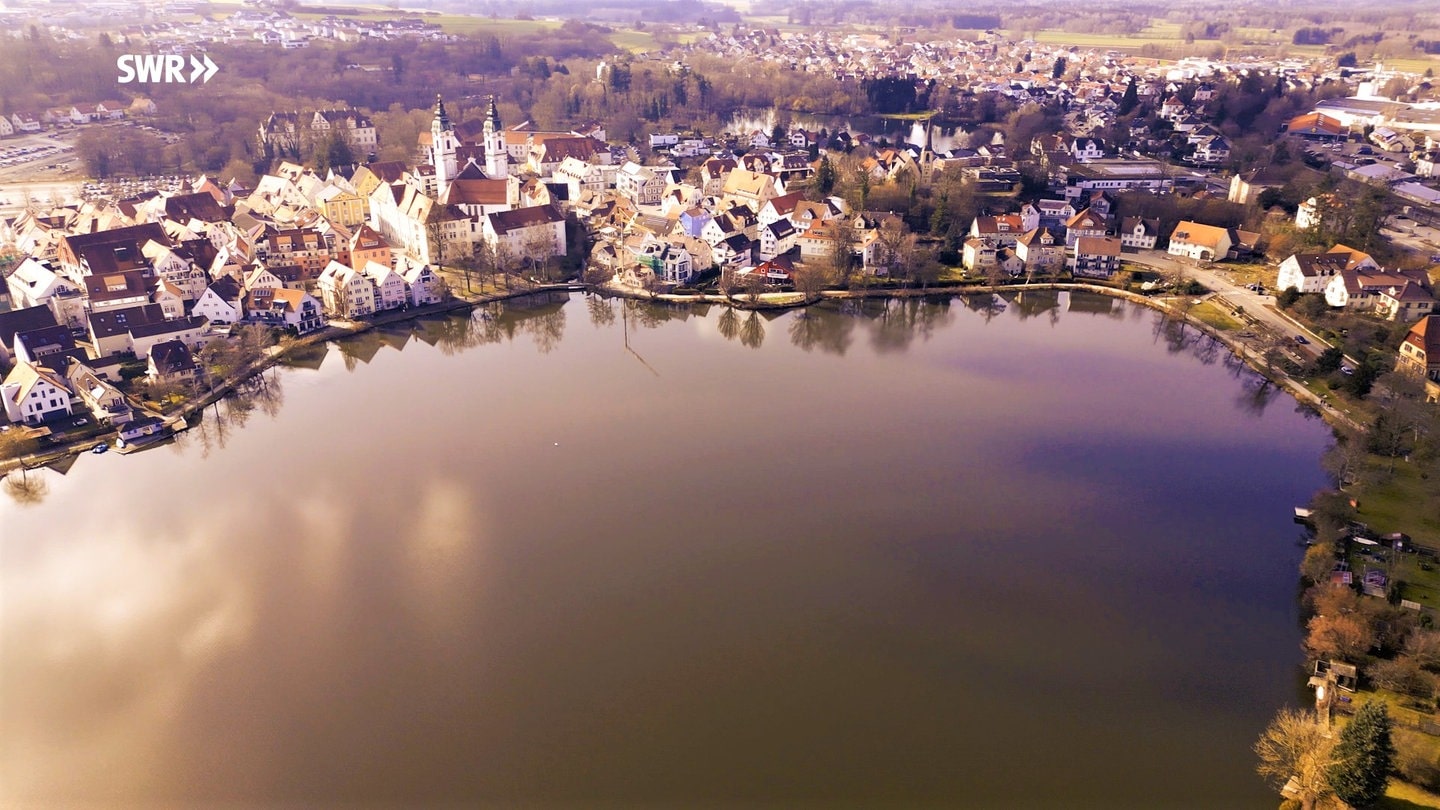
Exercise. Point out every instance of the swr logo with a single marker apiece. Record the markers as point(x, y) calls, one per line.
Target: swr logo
point(164, 68)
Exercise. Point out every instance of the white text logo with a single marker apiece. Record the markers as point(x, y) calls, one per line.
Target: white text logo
point(164, 68)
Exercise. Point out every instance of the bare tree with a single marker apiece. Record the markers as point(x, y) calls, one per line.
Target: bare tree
point(843, 239)
point(1296, 753)
point(810, 278)
point(538, 246)
point(755, 283)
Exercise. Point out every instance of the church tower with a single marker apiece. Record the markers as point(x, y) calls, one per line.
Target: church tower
point(443, 144)
point(497, 159)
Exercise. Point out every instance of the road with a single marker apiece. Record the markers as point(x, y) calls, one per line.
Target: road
point(1258, 306)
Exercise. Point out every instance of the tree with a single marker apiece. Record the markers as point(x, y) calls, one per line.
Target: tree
point(1131, 98)
point(755, 283)
point(1059, 69)
point(1345, 461)
point(1403, 675)
point(1295, 751)
point(1344, 637)
point(825, 177)
point(1318, 562)
point(810, 278)
point(1364, 755)
point(1287, 297)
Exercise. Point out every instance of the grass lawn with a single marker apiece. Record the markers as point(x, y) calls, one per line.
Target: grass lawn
point(1405, 796)
point(1244, 274)
point(471, 24)
point(634, 41)
point(924, 115)
point(1418, 64)
point(1216, 315)
point(1391, 506)
point(1117, 42)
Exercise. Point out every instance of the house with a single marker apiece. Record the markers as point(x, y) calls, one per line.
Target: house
point(390, 290)
point(34, 282)
point(171, 361)
point(140, 428)
point(25, 122)
point(777, 208)
point(1041, 250)
point(422, 285)
point(1054, 213)
point(1405, 303)
point(170, 298)
point(41, 346)
point(1203, 243)
point(193, 331)
point(19, 321)
point(752, 189)
point(285, 308)
point(669, 263)
point(1095, 257)
point(1139, 232)
point(116, 290)
point(1086, 222)
point(110, 330)
point(103, 399)
point(34, 393)
point(221, 302)
point(777, 238)
point(1087, 148)
point(641, 185)
point(1420, 351)
point(537, 232)
point(1310, 272)
point(346, 292)
point(1212, 151)
point(1004, 230)
point(1311, 213)
point(979, 254)
point(1359, 288)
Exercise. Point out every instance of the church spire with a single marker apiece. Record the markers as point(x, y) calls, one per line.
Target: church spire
point(442, 118)
point(493, 115)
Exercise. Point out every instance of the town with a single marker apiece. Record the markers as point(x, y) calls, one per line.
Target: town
point(1287, 206)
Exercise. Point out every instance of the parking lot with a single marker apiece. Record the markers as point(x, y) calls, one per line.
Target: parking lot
point(38, 156)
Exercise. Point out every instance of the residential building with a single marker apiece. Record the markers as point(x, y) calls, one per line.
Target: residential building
point(34, 393)
point(1203, 243)
point(1096, 257)
point(346, 292)
point(1139, 232)
point(1420, 351)
point(1310, 272)
point(537, 232)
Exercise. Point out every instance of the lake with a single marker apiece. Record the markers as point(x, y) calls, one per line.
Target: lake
point(1033, 552)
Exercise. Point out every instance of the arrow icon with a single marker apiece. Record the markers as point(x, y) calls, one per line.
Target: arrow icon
point(198, 68)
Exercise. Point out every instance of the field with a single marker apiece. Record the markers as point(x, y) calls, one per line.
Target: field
point(469, 25)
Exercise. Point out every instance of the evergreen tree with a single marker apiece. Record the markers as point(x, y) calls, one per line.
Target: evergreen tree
point(1364, 756)
point(1059, 69)
point(825, 177)
point(1130, 99)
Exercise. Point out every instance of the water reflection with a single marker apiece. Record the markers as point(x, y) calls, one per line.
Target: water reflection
point(649, 590)
point(26, 487)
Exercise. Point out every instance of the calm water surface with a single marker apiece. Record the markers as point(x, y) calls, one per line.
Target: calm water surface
point(943, 553)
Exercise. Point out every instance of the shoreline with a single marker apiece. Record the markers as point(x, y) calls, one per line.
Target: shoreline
point(766, 301)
